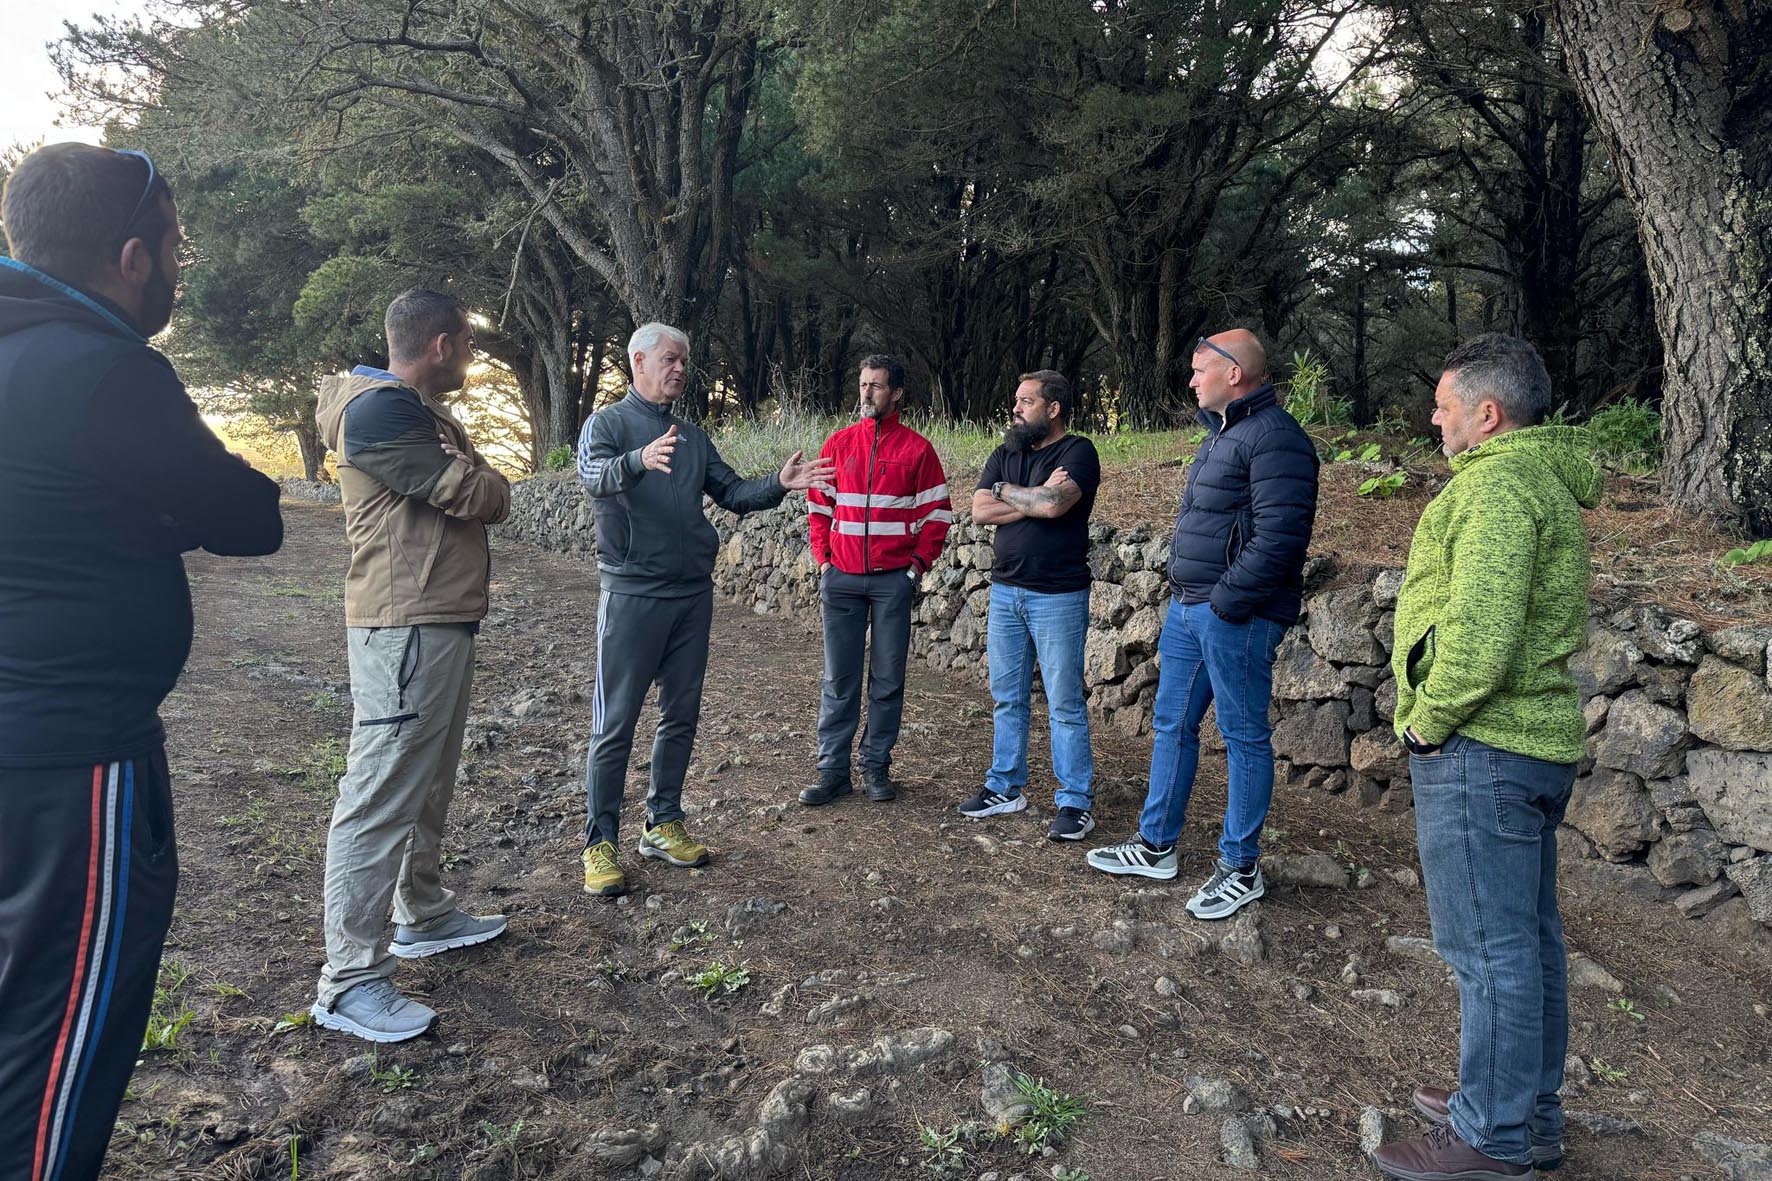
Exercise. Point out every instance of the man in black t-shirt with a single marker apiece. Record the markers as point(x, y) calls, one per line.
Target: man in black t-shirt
point(1038, 489)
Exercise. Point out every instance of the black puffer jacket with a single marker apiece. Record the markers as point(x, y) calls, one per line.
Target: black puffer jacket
point(1246, 517)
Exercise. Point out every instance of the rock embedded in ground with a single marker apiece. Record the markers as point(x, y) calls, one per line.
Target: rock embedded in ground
point(1215, 1094)
point(1242, 942)
point(1740, 1160)
point(1754, 879)
point(1390, 998)
point(1375, 1130)
point(1586, 972)
point(1241, 1138)
point(1318, 870)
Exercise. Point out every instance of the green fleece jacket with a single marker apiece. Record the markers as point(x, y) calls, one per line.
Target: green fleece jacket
point(1495, 598)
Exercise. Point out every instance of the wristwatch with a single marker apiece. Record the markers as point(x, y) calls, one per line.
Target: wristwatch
point(997, 489)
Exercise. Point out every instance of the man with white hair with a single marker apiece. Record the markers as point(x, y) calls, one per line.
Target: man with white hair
point(646, 472)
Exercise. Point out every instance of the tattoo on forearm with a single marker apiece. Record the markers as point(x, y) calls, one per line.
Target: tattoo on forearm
point(1038, 501)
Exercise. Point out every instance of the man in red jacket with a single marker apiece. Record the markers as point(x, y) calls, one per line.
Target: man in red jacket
point(873, 538)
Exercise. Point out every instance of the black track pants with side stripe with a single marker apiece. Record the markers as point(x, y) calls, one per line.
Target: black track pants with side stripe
point(88, 871)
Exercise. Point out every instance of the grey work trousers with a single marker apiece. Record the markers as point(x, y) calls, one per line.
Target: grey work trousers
point(852, 603)
point(410, 688)
point(642, 639)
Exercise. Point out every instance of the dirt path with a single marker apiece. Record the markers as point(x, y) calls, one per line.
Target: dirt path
point(864, 921)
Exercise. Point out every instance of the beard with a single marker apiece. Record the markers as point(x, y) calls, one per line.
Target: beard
point(157, 297)
point(1022, 435)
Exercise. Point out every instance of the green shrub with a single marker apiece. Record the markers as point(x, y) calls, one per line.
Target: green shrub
point(560, 458)
point(1626, 436)
point(1759, 551)
point(1308, 398)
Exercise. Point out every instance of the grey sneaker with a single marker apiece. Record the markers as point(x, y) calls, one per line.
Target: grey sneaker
point(375, 1011)
point(458, 929)
point(1229, 890)
point(1136, 858)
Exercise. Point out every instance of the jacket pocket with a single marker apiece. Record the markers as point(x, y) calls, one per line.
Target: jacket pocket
point(1422, 649)
point(1233, 546)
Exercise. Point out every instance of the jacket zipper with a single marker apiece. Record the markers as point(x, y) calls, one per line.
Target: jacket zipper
point(867, 563)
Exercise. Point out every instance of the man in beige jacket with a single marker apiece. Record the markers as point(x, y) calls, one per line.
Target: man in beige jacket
point(417, 500)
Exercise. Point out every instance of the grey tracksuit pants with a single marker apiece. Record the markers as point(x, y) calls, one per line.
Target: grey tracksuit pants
point(852, 603)
point(642, 639)
point(410, 688)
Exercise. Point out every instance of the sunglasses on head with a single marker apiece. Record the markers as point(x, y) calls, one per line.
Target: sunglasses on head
point(141, 202)
point(1203, 343)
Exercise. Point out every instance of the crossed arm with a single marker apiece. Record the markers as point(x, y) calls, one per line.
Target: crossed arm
point(1056, 497)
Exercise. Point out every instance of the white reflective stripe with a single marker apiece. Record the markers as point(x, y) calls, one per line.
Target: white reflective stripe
point(873, 500)
point(939, 492)
point(877, 528)
point(939, 514)
point(820, 508)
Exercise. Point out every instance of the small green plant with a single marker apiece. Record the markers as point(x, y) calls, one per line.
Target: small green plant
point(290, 1022)
point(1625, 1005)
point(498, 1136)
point(321, 699)
point(943, 1154)
point(719, 979)
point(1196, 436)
point(1384, 487)
point(1757, 552)
point(560, 458)
point(226, 991)
point(1626, 436)
point(1607, 1073)
point(393, 1077)
point(168, 1015)
point(326, 763)
point(294, 1158)
point(1066, 1173)
point(1054, 1114)
point(691, 934)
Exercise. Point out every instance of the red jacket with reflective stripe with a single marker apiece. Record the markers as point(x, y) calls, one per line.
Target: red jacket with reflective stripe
point(891, 507)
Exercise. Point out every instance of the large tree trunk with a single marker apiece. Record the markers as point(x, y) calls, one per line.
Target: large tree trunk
point(313, 451)
point(1684, 102)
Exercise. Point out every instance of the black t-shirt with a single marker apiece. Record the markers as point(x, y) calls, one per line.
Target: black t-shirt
point(1049, 556)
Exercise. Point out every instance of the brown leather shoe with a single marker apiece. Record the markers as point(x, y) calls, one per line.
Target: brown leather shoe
point(1435, 1106)
point(1442, 1156)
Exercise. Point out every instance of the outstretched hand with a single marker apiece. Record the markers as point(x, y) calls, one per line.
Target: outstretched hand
point(656, 455)
point(798, 475)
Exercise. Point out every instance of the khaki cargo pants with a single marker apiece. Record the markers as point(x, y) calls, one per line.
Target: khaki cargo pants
point(410, 687)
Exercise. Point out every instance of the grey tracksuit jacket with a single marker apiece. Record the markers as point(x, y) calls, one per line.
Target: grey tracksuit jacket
point(652, 537)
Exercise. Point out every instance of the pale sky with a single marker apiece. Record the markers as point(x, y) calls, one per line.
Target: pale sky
point(28, 79)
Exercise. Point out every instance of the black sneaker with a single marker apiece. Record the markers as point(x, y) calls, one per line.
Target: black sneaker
point(828, 788)
point(993, 803)
point(879, 784)
point(1228, 892)
point(1071, 824)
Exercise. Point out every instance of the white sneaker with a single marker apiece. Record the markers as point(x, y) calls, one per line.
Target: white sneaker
point(1134, 857)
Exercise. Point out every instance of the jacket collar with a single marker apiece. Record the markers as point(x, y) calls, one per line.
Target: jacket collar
point(881, 425)
point(1242, 408)
point(98, 305)
point(651, 408)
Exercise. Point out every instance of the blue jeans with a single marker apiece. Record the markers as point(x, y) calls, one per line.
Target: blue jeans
point(1206, 659)
point(1486, 822)
point(1026, 626)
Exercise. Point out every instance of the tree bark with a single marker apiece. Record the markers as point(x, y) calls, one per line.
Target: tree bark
point(1687, 118)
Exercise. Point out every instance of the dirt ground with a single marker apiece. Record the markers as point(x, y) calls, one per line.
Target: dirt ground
point(904, 915)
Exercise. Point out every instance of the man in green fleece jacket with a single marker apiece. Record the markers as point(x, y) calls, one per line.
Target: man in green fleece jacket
point(1493, 604)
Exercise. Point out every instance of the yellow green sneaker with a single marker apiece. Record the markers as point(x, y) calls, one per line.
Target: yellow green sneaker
point(670, 842)
point(603, 876)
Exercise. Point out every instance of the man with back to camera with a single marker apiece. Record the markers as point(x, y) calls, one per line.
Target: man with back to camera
point(1038, 489)
point(1236, 583)
point(417, 500)
point(646, 471)
point(873, 537)
point(107, 476)
point(1494, 602)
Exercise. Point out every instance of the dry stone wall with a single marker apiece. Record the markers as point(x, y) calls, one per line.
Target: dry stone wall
point(1678, 772)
